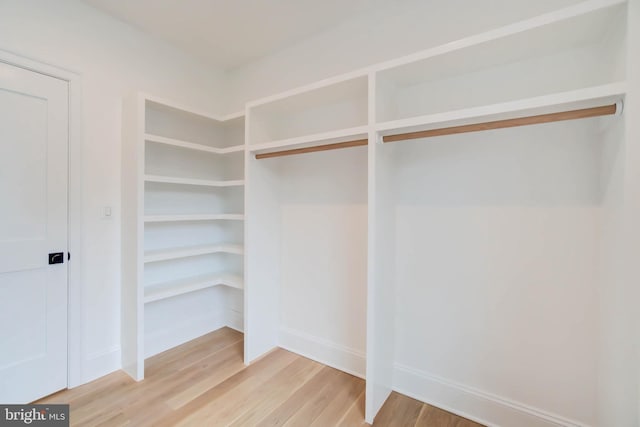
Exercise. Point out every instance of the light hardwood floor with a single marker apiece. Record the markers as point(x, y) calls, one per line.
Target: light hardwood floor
point(204, 383)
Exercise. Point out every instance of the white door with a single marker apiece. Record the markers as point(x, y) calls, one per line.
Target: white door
point(33, 224)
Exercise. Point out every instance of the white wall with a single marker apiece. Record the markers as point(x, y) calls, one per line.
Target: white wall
point(323, 256)
point(619, 401)
point(390, 29)
point(497, 250)
point(113, 60)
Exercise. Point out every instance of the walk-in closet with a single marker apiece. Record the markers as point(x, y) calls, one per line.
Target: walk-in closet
point(453, 225)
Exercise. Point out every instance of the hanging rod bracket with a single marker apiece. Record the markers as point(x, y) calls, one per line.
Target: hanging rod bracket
point(619, 107)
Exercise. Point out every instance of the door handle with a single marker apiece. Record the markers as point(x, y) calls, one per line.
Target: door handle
point(56, 258)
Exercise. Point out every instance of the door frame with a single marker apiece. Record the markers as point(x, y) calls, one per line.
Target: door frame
point(74, 189)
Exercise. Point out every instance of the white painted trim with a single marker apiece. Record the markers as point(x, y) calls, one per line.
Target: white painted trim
point(378, 387)
point(477, 405)
point(245, 240)
point(75, 343)
point(101, 363)
point(235, 320)
point(324, 351)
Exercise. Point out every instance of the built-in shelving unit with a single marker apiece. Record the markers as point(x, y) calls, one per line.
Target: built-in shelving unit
point(185, 220)
point(360, 258)
point(300, 206)
point(498, 227)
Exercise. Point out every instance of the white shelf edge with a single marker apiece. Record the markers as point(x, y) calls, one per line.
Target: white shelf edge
point(300, 90)
point(185, 252)
point(198, 217)
point(190, 145)
point(232, 116)
point(324, 137)
point(166, 290)
point(182, 107)
point(193, 181)
point(506, 110)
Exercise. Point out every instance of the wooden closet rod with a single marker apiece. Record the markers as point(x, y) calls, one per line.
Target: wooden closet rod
point(509, 123)
point(325, 147)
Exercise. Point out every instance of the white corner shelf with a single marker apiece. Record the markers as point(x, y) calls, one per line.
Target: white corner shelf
point(174, 288)
point(333, 137)
point(571, 100)
point(192, 146)
point(176, 253)
point(193, 181)
point(191, 110)
point(174, 157)
point(193, 217)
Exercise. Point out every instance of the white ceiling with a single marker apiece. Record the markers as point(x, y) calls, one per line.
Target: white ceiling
point(230, 33)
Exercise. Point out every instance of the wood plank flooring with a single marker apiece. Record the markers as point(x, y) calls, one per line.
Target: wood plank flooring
point(205, 383)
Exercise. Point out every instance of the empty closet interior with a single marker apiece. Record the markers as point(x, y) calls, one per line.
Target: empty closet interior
point(307, 258)
point(361, 222)
point(501, 267)
point(313, 223)
point(504, 242)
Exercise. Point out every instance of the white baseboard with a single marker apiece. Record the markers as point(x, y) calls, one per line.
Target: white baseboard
point(235, 320)
point(100, 363)
point(471, 403)
point(326, 352)
point(182, 332)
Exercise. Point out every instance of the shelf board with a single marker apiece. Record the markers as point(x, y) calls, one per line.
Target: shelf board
point(190, 145)
point(571, 100)
point(347, 87)
point(179, 287)
point(342, 135)
point(194, 217)
point(176, 253)
point(167, 103)
point(193, 181)
point(563, 28)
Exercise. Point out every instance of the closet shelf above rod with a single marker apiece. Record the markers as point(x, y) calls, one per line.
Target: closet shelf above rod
point(508, 123)
point(325, 147)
